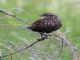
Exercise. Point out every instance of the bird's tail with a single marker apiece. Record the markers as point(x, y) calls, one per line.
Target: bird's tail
point(29, 28)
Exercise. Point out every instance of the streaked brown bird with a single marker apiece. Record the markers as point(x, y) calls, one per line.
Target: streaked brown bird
point(47, 23)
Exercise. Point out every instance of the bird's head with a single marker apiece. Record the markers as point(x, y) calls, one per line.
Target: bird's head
point(45, 15)
point(49, 15)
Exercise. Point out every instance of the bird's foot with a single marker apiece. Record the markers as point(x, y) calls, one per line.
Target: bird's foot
point(44, 35)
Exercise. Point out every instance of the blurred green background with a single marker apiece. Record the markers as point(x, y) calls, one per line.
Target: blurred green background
point(13, 38)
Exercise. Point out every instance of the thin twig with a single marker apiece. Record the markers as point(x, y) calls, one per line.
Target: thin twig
point(61, 36)
point(12, 16)
point(60, 50)
point(47, 48)
point(38, 40)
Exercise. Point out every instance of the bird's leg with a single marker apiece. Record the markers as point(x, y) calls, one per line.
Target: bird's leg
point(41, 34)
point(45, 35)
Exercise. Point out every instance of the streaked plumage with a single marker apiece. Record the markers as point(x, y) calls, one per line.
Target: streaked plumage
point(48, 23)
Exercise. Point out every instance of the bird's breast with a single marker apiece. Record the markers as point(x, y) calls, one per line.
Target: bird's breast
point(46, 25)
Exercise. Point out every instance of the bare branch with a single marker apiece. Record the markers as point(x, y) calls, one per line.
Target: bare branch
point(65, 40)
point(60, 50)
point(12, 16)
point(38, 40)
point(60, 36)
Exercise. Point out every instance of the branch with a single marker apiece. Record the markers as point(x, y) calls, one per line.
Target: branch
point(60, 50)
point(65, 40)
point(38, 40)
point(12, 16)
point(60, 36)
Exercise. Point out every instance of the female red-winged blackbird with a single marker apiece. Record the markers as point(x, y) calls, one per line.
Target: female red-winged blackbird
point(47, 23)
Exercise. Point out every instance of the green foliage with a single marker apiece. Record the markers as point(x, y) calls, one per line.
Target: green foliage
point(29, 10)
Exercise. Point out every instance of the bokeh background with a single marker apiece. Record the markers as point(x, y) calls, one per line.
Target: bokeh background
point(13, 37)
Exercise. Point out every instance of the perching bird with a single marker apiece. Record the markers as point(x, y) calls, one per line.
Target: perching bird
point(47, 23)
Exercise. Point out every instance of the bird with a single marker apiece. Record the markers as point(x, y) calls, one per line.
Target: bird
point(47, 23)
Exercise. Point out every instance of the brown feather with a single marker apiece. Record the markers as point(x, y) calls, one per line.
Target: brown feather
point(47, 24)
